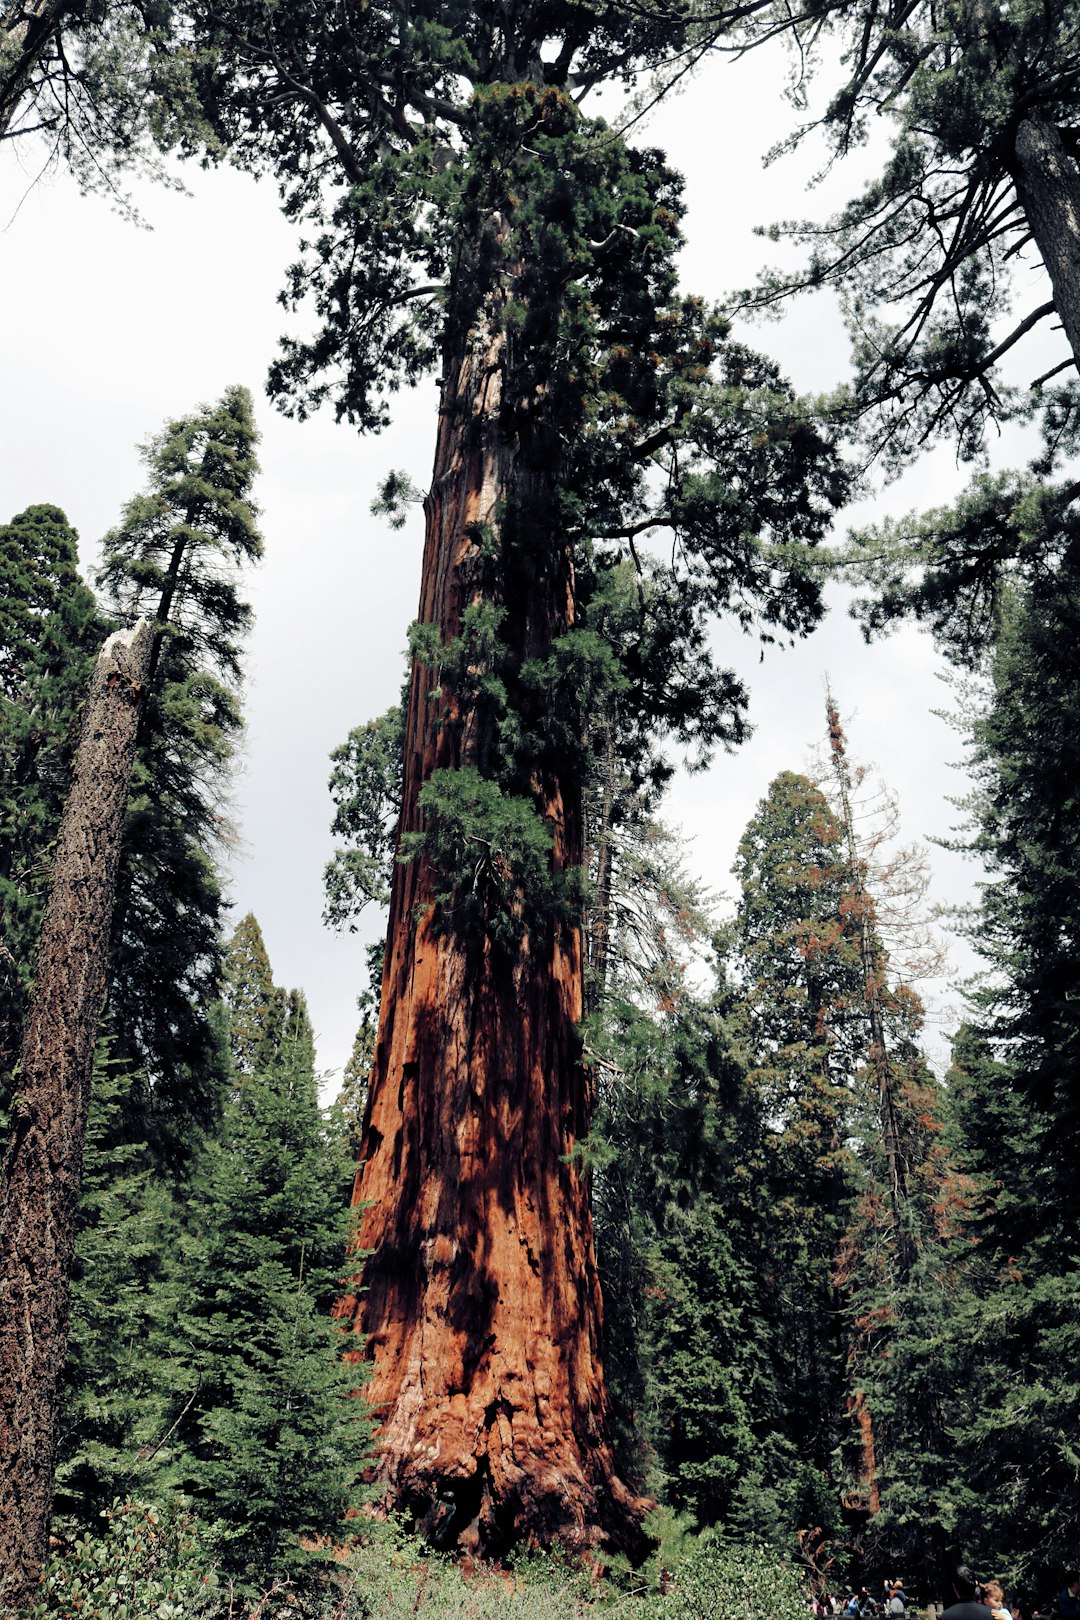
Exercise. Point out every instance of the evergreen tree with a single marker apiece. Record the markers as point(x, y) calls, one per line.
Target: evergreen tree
point(1014, 1087)
point(106, 88)
point(125, 1294)
point(675, 1147)
point(365, 785)
point(268, 1436)
point(798, 954)
point(526, 253)
point(254, 1006)
point(49, 632)
point(175, 557)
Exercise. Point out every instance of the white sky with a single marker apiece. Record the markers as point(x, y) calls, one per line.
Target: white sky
point(109, 329)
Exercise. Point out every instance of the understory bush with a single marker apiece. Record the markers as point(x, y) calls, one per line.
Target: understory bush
point(154, 1564)
point(145, 1564)
point(721, 1581)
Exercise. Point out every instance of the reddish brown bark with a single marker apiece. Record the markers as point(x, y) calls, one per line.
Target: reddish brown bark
point(42, 1170)
point(869, 1496)
point(482, 1300)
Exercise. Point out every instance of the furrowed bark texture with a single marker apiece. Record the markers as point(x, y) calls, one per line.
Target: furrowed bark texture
point(1048, 186)
point(482, 1300)
point(42, 1170)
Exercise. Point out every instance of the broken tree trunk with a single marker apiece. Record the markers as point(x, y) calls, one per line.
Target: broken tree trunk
point(42, 1169)
point(481, 1297)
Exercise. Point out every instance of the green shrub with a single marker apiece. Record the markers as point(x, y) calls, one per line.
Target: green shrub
point(725, 1582)
point(147, 1564)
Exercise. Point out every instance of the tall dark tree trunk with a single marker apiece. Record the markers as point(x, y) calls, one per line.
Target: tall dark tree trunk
point(482, 1298)
point(42, 1169)
point(1048, 185)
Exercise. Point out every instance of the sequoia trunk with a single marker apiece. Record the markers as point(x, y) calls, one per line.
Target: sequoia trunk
point(42, 1171)
point(481, 1294)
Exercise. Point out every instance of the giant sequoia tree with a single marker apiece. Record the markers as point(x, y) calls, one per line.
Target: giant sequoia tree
point(460, 212)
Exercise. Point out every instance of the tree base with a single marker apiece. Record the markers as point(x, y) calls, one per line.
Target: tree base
point(489, 1510)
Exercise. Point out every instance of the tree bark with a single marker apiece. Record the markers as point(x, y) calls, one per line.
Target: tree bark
point(1048, 185)
point(481, 1296)
point(42, 1169)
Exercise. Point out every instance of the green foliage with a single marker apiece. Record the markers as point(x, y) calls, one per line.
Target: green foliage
point(730, 1582)
point(175, 558)
point(389, 1575)
point(475, 204)
point(957, 568)
point(397, 493)
point(365, 785)
point(1014, 1093)
point(254, 1006)
point(806, 1039)
point(49, 631)
point(270, 1437)
point(108, 88)
point(673, 1138)
point(492, 858)
point(148, 1564)
point(125, 1290)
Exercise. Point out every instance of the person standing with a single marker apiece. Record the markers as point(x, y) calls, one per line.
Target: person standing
point(1069, 1598)
point(961, 1585)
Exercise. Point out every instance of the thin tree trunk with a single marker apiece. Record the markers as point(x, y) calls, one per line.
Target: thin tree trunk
point(1048, 186)
point(482, 1299)
point(42, 1169)
point(879, 1056)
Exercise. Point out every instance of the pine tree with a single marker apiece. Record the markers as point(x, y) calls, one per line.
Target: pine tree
point(125, 1294)
point(49, 632)
point(268, 1435)
point(176, 557)
point(254, 1006)
point(1014, 1086)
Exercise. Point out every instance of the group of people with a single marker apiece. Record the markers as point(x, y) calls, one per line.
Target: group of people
point(863, 1604)
point(972, 1598)
point(965, 1599)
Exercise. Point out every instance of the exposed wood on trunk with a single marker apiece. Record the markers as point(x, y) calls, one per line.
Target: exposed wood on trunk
point(868, 1497)
point(42, 1170)
point(1048, 185)
point(482, 1298)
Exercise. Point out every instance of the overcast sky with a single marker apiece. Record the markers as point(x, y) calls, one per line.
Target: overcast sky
point(108, 329)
